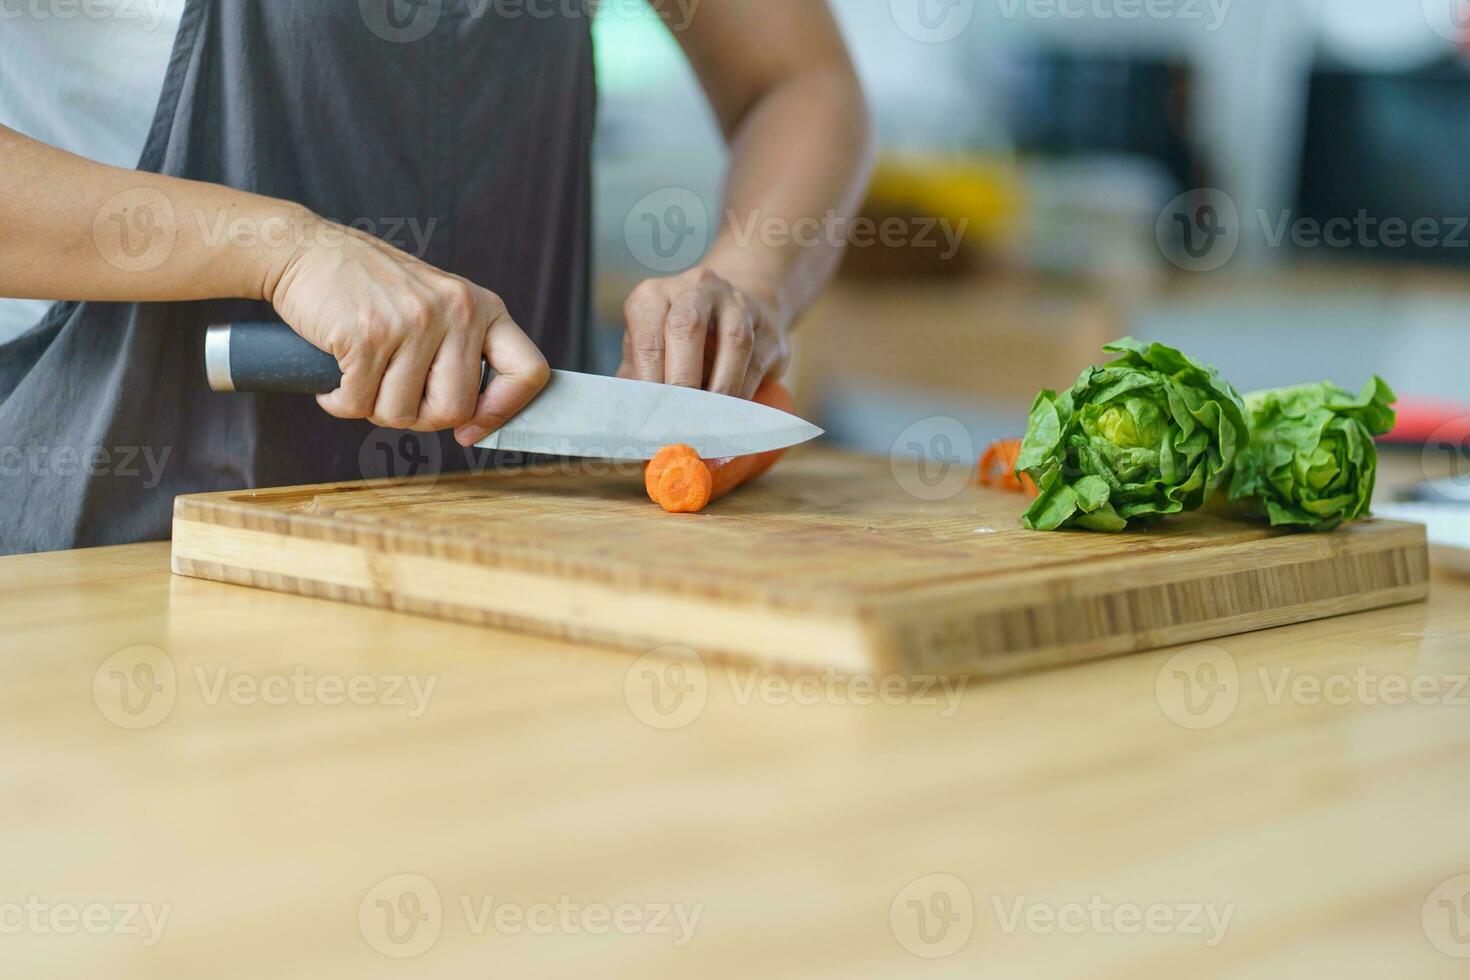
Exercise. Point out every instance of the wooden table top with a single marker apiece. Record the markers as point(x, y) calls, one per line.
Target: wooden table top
point(208, 780)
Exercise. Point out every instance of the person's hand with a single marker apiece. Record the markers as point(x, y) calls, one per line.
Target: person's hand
point(408, 337)
point(699, 330)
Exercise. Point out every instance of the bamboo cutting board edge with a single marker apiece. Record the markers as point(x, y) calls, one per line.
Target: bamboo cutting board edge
point(947, 622)
point(515, 598)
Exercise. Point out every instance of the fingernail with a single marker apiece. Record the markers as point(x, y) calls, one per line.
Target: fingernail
point(470, 434)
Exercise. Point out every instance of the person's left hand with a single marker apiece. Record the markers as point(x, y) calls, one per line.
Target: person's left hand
point(699, 330)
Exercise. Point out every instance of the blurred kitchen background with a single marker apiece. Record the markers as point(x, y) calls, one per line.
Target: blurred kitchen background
point(1221, 175)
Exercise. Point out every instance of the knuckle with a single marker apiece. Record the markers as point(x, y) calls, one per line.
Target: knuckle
point(416, 314)
point(738, 335)
point(459, 301)
point(702, 275)
point(491, 303)
point(683, 322)
point(641, 295)
point(372, 330)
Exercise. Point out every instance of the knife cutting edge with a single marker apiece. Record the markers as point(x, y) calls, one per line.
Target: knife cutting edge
point(574, 415)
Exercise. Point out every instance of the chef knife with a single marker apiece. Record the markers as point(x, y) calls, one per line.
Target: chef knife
point(574, 415)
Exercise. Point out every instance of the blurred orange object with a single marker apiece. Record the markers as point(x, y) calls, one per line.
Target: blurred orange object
point(998, 468)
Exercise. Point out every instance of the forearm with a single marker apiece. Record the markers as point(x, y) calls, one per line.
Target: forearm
point(79, 230)
point(800, 162)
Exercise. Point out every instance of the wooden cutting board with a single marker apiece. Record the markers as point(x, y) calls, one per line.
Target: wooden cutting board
point(827, 561)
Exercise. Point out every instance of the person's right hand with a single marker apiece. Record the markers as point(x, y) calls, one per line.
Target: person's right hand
point(408, 337)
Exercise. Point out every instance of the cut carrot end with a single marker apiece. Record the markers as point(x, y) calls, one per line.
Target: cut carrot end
point(684, 486)
point(681, 483)
point(655, 467)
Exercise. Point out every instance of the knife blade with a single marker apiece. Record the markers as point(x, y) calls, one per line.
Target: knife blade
point(574, 415)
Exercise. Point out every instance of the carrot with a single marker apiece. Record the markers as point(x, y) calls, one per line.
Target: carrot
point(655, 467)
point(681, 483)
point(685, 485)
point(998, 468)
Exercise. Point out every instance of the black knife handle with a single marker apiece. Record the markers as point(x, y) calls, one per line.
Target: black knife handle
point(271, 357)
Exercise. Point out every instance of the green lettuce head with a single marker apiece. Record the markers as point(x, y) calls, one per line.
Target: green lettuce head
point(1152, 432)
point(1311, 461)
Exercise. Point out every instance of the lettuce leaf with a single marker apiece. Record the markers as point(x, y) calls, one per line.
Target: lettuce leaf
point(1152, 432)
point(1311, 461)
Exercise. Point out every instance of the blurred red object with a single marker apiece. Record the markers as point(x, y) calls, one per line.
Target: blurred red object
point(1422, 420)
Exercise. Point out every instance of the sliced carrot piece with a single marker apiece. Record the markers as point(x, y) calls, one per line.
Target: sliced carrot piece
point(685, 486)
point(654, 468)
point(681, 483)
point(998, 468)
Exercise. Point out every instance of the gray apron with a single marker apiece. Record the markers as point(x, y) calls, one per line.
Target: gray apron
point(458, 130)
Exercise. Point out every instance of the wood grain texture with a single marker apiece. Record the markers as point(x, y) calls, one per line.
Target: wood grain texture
point(828, 560)
point(1329, 825)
